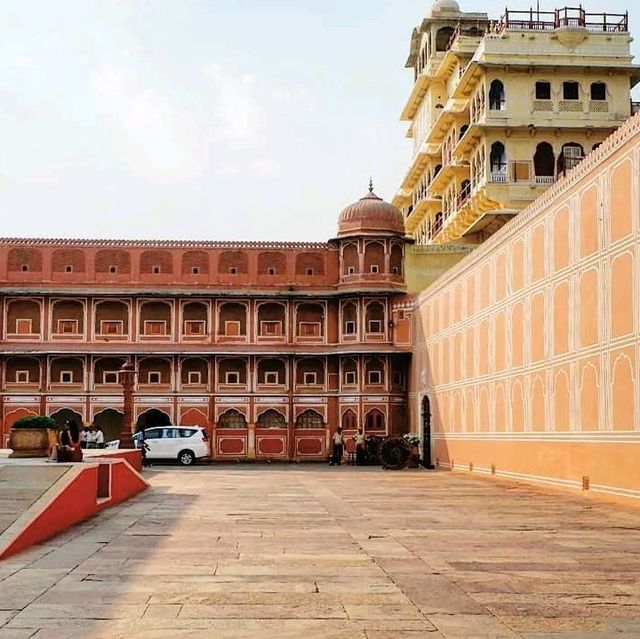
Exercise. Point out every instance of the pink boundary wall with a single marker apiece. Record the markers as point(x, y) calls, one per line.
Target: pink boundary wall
point(528, 349)
point(73, 499)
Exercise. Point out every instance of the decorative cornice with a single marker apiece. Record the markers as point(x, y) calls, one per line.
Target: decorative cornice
point(609, 146)
point(166, 244)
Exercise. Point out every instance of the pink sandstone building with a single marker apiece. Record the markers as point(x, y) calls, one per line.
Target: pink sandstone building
point(526, 353)
point(268, 345)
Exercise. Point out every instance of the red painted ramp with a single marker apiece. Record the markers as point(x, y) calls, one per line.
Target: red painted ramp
point(69, 497)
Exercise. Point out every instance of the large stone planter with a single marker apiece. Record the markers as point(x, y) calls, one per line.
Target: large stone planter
point(31, 442)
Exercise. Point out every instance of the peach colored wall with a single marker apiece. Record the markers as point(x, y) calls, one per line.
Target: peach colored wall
point(528, 348)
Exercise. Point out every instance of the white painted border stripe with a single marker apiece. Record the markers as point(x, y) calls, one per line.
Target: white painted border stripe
point(600, 438)
point(551, 481)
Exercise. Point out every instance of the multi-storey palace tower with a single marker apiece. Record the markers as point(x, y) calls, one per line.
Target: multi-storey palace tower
point(269, 345)
point(499, 110)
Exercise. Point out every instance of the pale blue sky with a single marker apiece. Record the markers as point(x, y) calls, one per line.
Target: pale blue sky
point(203, 119)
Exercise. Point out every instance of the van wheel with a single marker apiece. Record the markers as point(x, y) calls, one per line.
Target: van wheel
point(186, 458)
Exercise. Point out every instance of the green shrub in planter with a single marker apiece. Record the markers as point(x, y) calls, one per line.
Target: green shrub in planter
point(39, 422)
point(32, 436)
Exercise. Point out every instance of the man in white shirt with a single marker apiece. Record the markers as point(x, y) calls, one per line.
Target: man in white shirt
point(98, 438)
point(361, 446)
point(338, 447)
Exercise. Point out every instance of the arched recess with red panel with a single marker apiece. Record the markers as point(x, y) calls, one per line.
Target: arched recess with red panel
point(231, 434)
point(310, 434)
point(271, 434)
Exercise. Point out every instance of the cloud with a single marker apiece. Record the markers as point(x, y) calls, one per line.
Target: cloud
point(265, 167)
point(239, 119)
point(157, 137)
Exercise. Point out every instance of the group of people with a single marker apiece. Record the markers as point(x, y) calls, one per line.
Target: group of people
point(71, 441)
point(92, 437)
point(337, 453)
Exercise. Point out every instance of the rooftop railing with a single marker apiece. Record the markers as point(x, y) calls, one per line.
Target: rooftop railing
point(534, 20)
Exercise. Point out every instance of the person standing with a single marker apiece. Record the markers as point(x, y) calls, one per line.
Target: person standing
point(98, 437)
point(76, 450)
point(144, 448)
point(84, 437)
point(361, 446)
point(338, 447)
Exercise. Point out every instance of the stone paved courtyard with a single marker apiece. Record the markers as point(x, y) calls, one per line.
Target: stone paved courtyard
point(310, 552)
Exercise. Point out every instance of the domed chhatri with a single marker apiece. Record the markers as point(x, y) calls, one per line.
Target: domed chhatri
point(448, 6)
point(370, 214)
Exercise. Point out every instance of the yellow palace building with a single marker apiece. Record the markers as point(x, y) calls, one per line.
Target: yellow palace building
point(500, 109)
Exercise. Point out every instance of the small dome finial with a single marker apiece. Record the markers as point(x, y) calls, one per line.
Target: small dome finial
point(370, 185)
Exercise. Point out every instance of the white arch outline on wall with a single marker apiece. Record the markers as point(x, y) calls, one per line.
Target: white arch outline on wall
point(612, 380)
point(15, 300)
point(220, 304)
point(554, 419)
point(126, 302)
point(81, 301)
point(243, 410)
point(545, 423)
point(182, 304)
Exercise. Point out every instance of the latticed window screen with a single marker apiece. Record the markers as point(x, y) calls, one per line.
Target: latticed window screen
point(271, 419)
point(309, 419)
point(232, 419)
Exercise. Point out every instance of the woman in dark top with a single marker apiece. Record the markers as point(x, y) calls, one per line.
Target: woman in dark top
point(69, 443)
point(76, 441)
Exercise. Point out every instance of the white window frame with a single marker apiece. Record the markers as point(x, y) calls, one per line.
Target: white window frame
point(350, 375)
point(271, 378)
point(106, 374)
point(118, 323)
point(351, 270)
point(310, 375)
point(159, 323)
point(229, 323)
point(375, 322)
point(347, 324)
point(75, 324)
point(25, 321)
point(232, 374)
point(22, 374)
point(156, 269)
point(277, 324)
point(68, 374)
point(194, 378)
point(156, 375)
point(374, 269)
point(190, 324)
point(377, 375)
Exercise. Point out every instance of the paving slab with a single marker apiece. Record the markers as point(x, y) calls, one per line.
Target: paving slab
point(308, 551)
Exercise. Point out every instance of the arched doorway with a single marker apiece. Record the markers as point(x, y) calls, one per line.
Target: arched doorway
point(67, 415)
point(426, 433)
point(152, 417)
point(110, 421)
point(544, 160)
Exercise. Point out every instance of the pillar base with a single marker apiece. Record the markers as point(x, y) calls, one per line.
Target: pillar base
point(126, 441)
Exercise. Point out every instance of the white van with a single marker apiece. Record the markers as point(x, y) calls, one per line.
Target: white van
point(184, 443)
